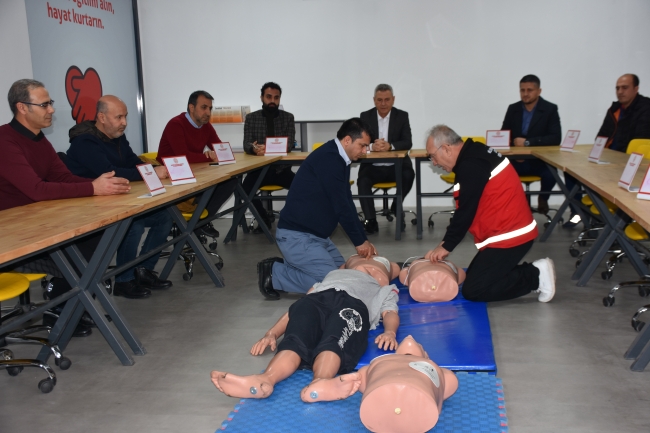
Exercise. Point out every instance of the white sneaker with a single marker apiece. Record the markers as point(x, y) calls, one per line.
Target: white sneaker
point(546, 279)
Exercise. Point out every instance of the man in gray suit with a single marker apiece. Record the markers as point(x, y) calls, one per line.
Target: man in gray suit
point(390, 130)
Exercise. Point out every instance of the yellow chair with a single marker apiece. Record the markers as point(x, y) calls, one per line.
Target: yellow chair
point(450, 178)
point(13, 285)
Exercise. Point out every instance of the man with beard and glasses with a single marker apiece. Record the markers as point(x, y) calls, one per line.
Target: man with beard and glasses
point(270, 121)
point(99, 146)
point(190, 134)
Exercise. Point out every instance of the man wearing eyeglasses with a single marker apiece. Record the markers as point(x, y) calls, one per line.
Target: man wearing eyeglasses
point(492, 206)
point(30, 169)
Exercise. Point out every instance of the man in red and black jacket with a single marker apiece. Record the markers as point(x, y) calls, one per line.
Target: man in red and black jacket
point(492, 206)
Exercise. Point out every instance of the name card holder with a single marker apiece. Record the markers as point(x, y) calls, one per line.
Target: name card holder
point(630, 171)
point(498, 140)
point(276, 146)
point(151, 179)
point(570, 140)
point(644, 190)
point(179, 170)
point(597, 151)
point(224, 153)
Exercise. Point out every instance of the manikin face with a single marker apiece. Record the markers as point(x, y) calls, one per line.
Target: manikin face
point(271, 97)
point(357, 148)
point(529, 93)
point(35, 117)
point(201, 112)
point(380, 268)
point(625, 90)
point(384, 101)
point(113, 122)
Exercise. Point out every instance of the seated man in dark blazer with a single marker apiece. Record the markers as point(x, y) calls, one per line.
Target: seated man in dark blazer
point(534, 122)
point(390, 130)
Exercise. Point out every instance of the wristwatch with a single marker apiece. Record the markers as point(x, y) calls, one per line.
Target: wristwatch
point(526, 143)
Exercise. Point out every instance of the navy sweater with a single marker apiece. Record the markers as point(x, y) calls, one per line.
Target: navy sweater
point(320, 197)
point(92, 153)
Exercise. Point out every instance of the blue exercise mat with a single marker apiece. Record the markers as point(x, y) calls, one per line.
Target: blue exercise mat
point(477, 407)
point(455, 334)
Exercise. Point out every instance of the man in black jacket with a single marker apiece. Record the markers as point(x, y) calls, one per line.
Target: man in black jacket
point(534, 122)
point(389, 130)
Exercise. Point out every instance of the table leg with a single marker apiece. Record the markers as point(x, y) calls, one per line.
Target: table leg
point(418, 196)
point(639, 350)
point(399, 218)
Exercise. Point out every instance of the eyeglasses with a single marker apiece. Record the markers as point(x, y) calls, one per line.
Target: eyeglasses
point(430, 156)
point(49, 103)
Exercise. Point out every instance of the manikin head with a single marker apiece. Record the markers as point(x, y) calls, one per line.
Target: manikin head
point(432, 282)
point(199, 106)
point(377, 267)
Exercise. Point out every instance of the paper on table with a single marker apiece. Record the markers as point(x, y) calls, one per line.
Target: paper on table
point(630, 171)
point(151, 179)
point(597, 150)
point(570, 140)
point(498, 139)
point(179, 170)
point(224, 153)
point(644, 190)
point(276, 146)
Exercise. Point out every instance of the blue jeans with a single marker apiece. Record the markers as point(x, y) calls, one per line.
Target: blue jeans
point(160, 224)
point(307, 259)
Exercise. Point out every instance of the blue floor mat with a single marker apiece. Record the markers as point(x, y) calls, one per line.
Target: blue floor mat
point(455, 334)
point(477, 407)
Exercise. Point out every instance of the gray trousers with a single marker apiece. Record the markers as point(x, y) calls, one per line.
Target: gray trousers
point(307, 259)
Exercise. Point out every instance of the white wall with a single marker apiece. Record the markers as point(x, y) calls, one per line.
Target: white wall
point(449, 62)
point(14, 51)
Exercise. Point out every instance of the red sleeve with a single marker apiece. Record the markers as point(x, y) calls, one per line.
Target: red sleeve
point(175, 141)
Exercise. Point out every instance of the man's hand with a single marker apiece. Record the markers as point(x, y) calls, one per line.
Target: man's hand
point(519, 141)
point(437, 254)
point(387, 341)
point(268, 340)
point(211, 154)
point(380, 145)
point(259, 149)
point(366, 250)
point(108, 184)
point(161, 171)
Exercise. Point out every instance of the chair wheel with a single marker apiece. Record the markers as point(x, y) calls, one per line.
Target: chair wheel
point(637, 325)
point(574, 252)
point(108, 284)
point(608, 301)
point(212, 246)
point(14, 371)
point(606, 275)
point(6, 354)
point(46, 385)
point(414, 221)
point(644, 292)
point(430, 224)
point(188, 276)
point(389, 218)
point(63, 363)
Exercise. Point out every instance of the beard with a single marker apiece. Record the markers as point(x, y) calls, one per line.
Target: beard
point(270, 109)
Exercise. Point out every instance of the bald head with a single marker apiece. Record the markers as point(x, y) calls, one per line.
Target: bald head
point(627, 87)
point(111, 116)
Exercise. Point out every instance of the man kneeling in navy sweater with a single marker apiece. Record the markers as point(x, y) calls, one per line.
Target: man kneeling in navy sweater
point(100, 146)
point(319, 199)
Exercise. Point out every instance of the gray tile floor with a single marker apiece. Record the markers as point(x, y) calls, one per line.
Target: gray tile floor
point(561, 363)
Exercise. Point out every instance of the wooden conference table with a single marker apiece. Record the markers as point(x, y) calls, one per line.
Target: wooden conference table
point(51, 227)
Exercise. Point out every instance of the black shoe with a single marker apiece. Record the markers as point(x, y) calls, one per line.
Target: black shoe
point(85, 317)
point(542, 206)
point(209, 231)
point(573, 221)
point(51, 316)
point(130, 290)
point(265, 279)
point(371, 226)
point(148, 279)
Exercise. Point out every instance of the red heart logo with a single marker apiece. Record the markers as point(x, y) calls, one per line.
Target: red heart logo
point(83, 92)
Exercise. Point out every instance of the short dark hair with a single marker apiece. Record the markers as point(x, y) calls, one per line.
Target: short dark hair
point(195, 96)
point(271, 85)
point(354, 128)
point(530, 79)
point(635, 79)
point(19, 92)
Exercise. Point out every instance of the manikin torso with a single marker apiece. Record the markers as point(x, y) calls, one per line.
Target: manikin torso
point(432, 282)
point(377, 267)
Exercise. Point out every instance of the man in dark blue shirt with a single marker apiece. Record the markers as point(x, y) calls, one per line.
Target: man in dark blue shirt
point(318, 201)
point(99, 146)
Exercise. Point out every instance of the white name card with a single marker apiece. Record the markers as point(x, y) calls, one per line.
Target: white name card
point(179, 170)
point(499, 140)
point(644, 190)
point(630, 171)
point(151, 179)
point(570, 140)
point(224, 153)
point(276, 146)
point(597, 150)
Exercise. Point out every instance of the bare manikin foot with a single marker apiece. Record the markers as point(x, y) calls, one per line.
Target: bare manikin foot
point(254, 386)
point(337, 388)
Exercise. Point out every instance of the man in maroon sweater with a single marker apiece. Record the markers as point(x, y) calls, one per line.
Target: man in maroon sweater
point(191, 134)
point(30, 169)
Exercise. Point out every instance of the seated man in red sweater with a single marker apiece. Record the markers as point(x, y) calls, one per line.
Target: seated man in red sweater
point(191, 134)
